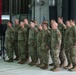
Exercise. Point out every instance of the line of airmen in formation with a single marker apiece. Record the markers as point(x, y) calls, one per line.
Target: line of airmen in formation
point(36, 40)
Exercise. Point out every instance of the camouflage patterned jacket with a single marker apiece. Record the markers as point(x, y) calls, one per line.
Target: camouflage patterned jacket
point(16, 28)
point(33, 36)
point(72, 36)
point(39, 38)
point(66, 38)
point(22, 34)
point(55, 39)
point(62, 28)
point(46, 39)
point(9, 34)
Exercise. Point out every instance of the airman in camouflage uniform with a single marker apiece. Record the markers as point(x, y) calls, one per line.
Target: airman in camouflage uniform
point(36, 26)
point(66, 45)
point(45, 46)
point(72, 45)
point(39, 42)
point(9, 39)
point(62, 28)
point(32, 42)
point(50, 31)
point(27, 27)
point(16, 28)
point(22, 37)
point(55, 46)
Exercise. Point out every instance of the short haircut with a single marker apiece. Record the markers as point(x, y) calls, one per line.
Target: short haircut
point(60, 17)
point(45, 24)
point(10, 22)
point(45, 21)
point(32, 21)
point(35, 20)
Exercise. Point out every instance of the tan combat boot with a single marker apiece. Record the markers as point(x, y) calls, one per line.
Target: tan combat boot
point(68, 66)
point(55, 69)
point(22, 61)
point(45, 66)
point(41, 65)
point(73, 69)
point(32, 63)
point(17, 58)
point(38, 65)
point(63, 64)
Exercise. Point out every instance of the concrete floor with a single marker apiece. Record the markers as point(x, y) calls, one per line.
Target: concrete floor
point(17, 69)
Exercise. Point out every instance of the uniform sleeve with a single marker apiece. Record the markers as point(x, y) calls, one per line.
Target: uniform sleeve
point(74, 36)
point(35, 34)
point(64, 41)
point(49, 39)
point(58, 43)
point(26, 37)
point(63, 31)
point(46, 40)
point(12, 34)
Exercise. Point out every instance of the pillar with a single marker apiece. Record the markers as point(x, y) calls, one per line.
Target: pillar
point(41, 12)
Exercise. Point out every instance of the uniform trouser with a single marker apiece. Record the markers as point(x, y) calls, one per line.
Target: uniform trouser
point(36, 55)
point(39, 53)
point(16, 49)
point(45, 55)
point(62, 54)
point(33, 52)
point(9, 49)
point(27, 52)
point(55, 57)
point(21, 49)
point(67, 52)
point(73, 55)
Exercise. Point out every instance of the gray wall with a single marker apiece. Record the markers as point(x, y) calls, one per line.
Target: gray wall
point(41, 11)
point(59, 8)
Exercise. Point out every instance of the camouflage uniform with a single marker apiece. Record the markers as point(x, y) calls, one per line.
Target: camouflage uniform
point(39, 42)
point(9, 39)
point(49, 28)
point(66, 44)
point(32, 42)
point(36, 26)
point(55, 46)
point(72, 43)
point(62, 56)
point(27, 53)
point(16, 28)
point(22, 37)
point(45, 46)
